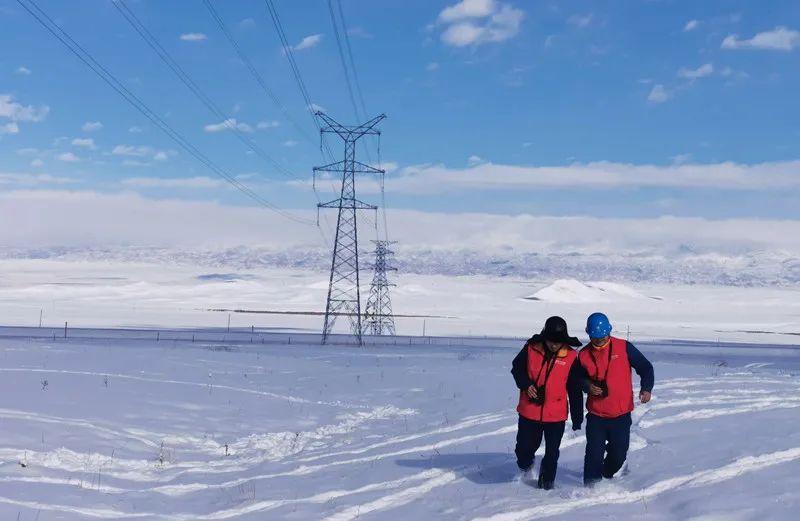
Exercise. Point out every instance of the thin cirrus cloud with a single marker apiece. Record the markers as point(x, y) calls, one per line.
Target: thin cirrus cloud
point(478, 22)
point(691, 25)
point(84, 143)
point(68, 157)
point(92, 126)
point(658, 94)
point(134, 154)
point(707, 69)
point(308, 42)
point(436, 179)
point(200, 182)
point(33, 179)
point(228, 124)
point(779, 39)
point(193, 37)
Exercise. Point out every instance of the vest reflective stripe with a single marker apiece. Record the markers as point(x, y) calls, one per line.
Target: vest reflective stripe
point(555, 408)
point(620, 382)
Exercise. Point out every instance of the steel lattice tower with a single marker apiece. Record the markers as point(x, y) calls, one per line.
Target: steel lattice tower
point(378, 317)
point(344, 295)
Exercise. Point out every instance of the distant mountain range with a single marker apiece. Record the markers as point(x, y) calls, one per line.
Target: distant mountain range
point(753, 268)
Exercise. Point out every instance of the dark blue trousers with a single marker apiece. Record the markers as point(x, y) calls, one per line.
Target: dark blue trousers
point(529, 438)
point(607, 441)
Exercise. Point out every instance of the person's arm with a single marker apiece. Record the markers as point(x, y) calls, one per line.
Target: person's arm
point(643, 368)
point(519, 369)
point(575, 388)
point(582, 375)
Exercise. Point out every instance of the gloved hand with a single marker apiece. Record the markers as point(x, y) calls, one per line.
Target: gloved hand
point(576, 427)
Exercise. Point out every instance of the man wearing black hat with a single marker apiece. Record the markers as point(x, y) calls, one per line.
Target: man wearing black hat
point(548, 376)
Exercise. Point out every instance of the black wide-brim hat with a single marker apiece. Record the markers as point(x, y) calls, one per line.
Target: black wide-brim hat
point(555, 330)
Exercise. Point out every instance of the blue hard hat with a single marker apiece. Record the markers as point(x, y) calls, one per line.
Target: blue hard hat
point(598, 326)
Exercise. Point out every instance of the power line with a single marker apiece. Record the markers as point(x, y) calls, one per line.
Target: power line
point(344, 62)
point(287, 50)
point(346, 69)
point(350, 54)
point(83, 55)
point(254, 72)
point(187, 80)
point(298, 77)
point(270, 94)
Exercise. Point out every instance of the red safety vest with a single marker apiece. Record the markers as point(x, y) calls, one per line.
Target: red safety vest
point(609, 363)
point(553, 374)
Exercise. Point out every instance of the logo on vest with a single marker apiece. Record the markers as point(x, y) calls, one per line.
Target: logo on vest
point(561, 362)
point(614, 357)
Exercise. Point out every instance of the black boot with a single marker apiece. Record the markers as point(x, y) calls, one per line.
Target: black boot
point(544, 485)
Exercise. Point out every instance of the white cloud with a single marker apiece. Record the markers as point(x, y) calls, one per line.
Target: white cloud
point(51, 218)
point(658, 94)
point(435, 179)
point(474, 160)
point(691, 25)
point(68, 157)
point(247, 23)
point(308, 42)
point(261, 125)
point(14, 111)
point(9, 128)
point(228, 124)
point(193, 37)
point(27, 151)
point(680, 159)
point(468, 9)
point(22, 71)
point(289, 143)
point(132, 150)
point(160, 156)
point(476, 22)
point(778, 39)
point(317, 108)
point(135, 130)
point(581, 21)
point(32, 179)
point(388, 166)
point(91, 126)
point(37, 163)
point(701, 72)
point(432, 66)
point(728, 72)
point(84, 142)
point(174, 182)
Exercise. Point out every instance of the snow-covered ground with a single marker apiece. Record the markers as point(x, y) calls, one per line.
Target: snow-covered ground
point(241, 425)
point(179, 294)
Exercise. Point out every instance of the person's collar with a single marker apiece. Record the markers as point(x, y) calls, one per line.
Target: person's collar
point(602, 346)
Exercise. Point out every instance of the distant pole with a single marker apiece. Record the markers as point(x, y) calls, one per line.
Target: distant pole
point(65, 330)
point(40, 318)
point(423, 327)
point(229, 322)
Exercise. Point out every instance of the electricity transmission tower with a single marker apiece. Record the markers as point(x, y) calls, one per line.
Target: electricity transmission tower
point(344, 294)
point(378, 317)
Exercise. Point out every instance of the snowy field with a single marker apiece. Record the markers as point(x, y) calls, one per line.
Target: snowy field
point(179, 294)
point(150, 425)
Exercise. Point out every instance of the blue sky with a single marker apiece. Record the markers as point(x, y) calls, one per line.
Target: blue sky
point(610, 109)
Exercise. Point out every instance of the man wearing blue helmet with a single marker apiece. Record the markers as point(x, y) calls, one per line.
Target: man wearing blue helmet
point(606, 362)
